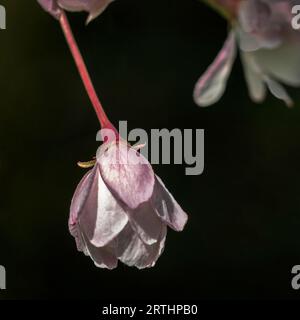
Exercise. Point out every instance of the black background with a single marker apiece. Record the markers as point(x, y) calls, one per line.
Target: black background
point(242, 238)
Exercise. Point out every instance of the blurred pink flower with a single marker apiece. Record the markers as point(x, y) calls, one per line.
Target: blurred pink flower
point(93, 7)
point(269, 49)
point(121, 210)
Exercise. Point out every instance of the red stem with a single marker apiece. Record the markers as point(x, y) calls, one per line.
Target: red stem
point(86, 79)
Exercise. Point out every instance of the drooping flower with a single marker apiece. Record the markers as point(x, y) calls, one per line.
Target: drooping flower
point(93, 7)
point(269, 50)
point(121, 210)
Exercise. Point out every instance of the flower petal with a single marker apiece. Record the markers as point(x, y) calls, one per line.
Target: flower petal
point(103, 257)
point(257, 80)
point(99, 7)
point(254, 15)
point(78, 200)
point(256, 85)
point(93, 7)
point(76, 5)
point(146, 223)
point(80, 195)
point(131, 250)
point(282, 63)
point(247, 42)
point(51, 7)
point(211, 86)
point(80, 243)
point(167, 208)
point(101, 216)
point(259, 26)
point(278, 91)
point(128, 175)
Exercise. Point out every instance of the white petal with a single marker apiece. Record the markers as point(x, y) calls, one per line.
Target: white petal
point(103, 257)
point(98, 9)
point(132, 251)
point(167, 208)
point(146, 223)
point(247, 42)
point(256, 85)
point(278, 91)
point(257, 78)
point(211, 86)
point(282, 63)
point(101, 217)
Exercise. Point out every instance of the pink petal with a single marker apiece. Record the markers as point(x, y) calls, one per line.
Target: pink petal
point(101, 217)
point(127, 174)
point(211, 86)
point(254, 15)
point(76, 233)
point(76, 5)
point(259, 28)
point(132, 251)
point(80, 195)
point(146, 223)
point(51, 7)
point(94, 7)
point(167, 208)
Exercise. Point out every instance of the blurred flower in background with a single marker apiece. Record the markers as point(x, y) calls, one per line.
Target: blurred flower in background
point(93, 7)
point(269, 49)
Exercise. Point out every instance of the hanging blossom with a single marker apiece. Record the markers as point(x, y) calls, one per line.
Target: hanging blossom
point(269, 49)
point(120, 209)
point(93, 7)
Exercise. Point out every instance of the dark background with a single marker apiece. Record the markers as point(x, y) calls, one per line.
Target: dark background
point(242, 238)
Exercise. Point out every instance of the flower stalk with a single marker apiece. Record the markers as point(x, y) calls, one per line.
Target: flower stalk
point(84, 74)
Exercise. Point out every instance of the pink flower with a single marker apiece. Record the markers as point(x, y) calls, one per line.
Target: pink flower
point(121, 210)
point(93, 7)
point(269, 49)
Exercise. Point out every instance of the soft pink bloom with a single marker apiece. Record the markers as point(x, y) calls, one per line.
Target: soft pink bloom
point(269, 49)
point(121, 210)
point(93, 7)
